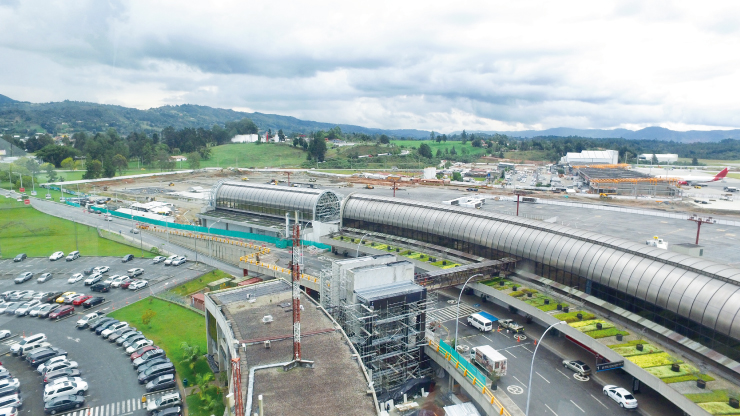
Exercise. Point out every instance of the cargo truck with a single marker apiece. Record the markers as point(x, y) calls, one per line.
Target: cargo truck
point(490, 360)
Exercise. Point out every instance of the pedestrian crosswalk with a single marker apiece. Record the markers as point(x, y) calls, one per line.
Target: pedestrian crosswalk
point(123, 407)
point(11, 342)
point(449, 313)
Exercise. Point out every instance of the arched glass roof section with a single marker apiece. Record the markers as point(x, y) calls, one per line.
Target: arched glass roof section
point(684, 285)
point(275, 201)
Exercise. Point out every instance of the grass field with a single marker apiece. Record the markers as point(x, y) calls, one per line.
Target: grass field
point(247, 155)
point(414, 144)
point(169, 328)
point(23, 229)
point(199, 283)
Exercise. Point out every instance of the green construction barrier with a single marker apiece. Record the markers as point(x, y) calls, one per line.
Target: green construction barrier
point(473, 371)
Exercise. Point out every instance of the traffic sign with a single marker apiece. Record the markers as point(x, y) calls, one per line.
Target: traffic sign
point(22, 189)
point(27, 201)
point(609, 366)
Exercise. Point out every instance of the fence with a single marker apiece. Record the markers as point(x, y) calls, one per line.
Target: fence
point(278, 242)
point(469, 371)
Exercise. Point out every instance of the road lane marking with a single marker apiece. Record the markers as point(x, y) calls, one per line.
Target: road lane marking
point(543, 377)
point(520, 382)
point(579, 407)
point(484, 336)
point(507, 351)
point(566, 376)
point(553, 412)
point(600, 402)
point(527, 349)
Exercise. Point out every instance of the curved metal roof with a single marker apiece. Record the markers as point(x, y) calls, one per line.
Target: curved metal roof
point(314, 204)
point(695, 288)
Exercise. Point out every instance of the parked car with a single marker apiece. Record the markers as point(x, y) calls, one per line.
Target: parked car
point(14, 400)
point(160, 383)
point(102, 269)
point(51, 361)
point(13, 307)
point(59, 366)
point(99, 330)
point(128, 257)
point(75, 278)
point(29, 340)
point(69, 300)
point(23, 277)
point(113, 328)
point(89, 271)
point(64, 373)
point(130, 340)
point(9, 386)
point(170, 411)
point(166, 401)
point(5, 333)
point(93, 279)
point(73, 256)
point(59, 380)
point(100, 322)
point(149, 355)
point(138, 345)
point(80, 300)
point(20, 257)
point(31, 348)
point(119, 333)
point(47, 309)
point(45, 277)
point(62, 312)
point(97, 300)
point(127, 283)
point(4, 373)
point(62, 403)
point(624, 398)
point(34, 312)
point(136, 271)
point(87, 319)
point(179, 261)
point(56, 256)
point(25, 308)
point(100, 287)
point(39, 357)
point(51, 297)
point(120, 279)
point(64, 388)
point(141, 351)
point(128, 336)
point(169, 260)
point(63, 296)
point(152, 362)
point(156, 371)
point(139, 284)
point(159, 259)
point(4, 307)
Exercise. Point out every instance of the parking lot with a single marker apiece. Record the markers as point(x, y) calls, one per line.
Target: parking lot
point(113, 388)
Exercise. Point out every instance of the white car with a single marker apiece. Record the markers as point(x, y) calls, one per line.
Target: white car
point(81, 323)
point(179, 261)
point(51, 361)
point(110, 279)
point(76, 278)
point(59, 366)
point(169, 260)
point(34, 312)
point(65, 388)
point(102, 269)
point(95, 278)
point(136, 271)
point(119, 280)
point(159, 259)
point(113, 328)
point(73, 256)
point(139, 284)
point(9, 382)
point(139, 344)
point(56, 256)
point(624, 398)
point(5, 333)
point(62, 380)
point(26, 307)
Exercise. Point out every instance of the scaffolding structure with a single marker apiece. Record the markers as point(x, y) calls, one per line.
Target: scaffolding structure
point(389, 339)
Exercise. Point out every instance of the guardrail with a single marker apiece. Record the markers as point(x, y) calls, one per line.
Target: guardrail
point(473, 377)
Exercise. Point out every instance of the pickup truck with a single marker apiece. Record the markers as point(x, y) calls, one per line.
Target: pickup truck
point(511, 325)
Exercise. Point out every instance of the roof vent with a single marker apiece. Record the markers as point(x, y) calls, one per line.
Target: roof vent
point(267, 319)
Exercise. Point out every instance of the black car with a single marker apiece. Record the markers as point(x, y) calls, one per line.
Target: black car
point(156, 371)
point(20, 257)
point(127, 258)
point(63, 403)
point(114, 336)
point(11, 309)
point(97, 300)
point(48, 312)
point(88, 271)
point(152, 363)
point(99, 322)
point(170, 411)
point(100, 287)
point(99, 330)
point(66, 372)
point(160, 383)
point(40, 357)
point(148, 356)
point(51, 297)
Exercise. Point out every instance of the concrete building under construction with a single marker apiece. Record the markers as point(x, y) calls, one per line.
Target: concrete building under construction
point(622, 181)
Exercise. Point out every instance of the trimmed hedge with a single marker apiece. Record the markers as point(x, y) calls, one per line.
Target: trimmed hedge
point(517, 294)
point(712, 396)
point(723, 409)
point(653, 360)
point(664, 371)
point(632, 350)
point(592, 327)
point(679, 379)
point(572, 316)
point(579, 324)
point(629, 343)
point(604, 333)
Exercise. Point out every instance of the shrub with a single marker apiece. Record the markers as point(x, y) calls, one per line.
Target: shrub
point(579, 324)
point(664, 371)
point(517, 294)
point(571, 316)
point(712, 396)
point(715, 408)
point(632, 350)
point(592, 327)
point(603, 333)
point(680, 379)
point(547, 308)
point(652, 360)
point(629, 343)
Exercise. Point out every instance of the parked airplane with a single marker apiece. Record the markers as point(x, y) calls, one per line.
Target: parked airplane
point(695, 180)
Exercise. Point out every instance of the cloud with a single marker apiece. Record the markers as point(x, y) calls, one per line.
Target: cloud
point(428, 65)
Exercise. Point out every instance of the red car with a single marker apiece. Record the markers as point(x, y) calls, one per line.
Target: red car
point(79, 301)
point(125, 284)
point(142, 350)
point(63, 311)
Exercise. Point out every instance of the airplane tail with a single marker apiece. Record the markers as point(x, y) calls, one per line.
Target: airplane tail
point(721, 175)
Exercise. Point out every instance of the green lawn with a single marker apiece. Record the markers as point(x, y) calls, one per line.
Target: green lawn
point(245, 155)
point(169, 328)
point(199, 283)
point(414, 144)
point(23, 229)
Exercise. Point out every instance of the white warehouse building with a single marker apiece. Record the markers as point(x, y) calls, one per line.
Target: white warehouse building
point(608, 157)
point(662, 158)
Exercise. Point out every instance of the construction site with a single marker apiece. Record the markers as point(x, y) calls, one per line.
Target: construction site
point(619, 180)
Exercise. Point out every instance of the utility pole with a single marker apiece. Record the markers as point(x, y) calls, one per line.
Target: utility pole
point(699, 221)
point(518, 195)
point(296, 274)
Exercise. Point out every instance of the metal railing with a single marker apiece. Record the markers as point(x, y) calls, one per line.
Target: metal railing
point(472, 375)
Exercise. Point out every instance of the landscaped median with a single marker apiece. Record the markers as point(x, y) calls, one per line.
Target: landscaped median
point(181, 332)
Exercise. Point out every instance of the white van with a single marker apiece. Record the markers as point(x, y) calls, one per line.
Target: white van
point(29, 348)
point(480, 322)
point(73, 256)
point(31, 339)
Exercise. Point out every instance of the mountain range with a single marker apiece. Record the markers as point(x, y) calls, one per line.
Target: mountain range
point(69, 116)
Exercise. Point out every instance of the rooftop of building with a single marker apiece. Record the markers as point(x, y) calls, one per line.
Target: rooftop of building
point(336, 383)
point(592, 173)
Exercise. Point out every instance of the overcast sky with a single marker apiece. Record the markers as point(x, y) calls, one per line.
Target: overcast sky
point(443, 66)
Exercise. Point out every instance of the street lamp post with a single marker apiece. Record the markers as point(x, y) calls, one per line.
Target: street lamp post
point(531, 367)
point(208, 231)
point(457, 317)
point(358, 245)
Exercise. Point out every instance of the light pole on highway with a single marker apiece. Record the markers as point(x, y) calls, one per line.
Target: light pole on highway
point(208, 231)
point(358, 245)
point(457, 317)
point(531, 367)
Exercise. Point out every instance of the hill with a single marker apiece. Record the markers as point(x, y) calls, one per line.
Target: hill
point(4, 99)
point(648, 133)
